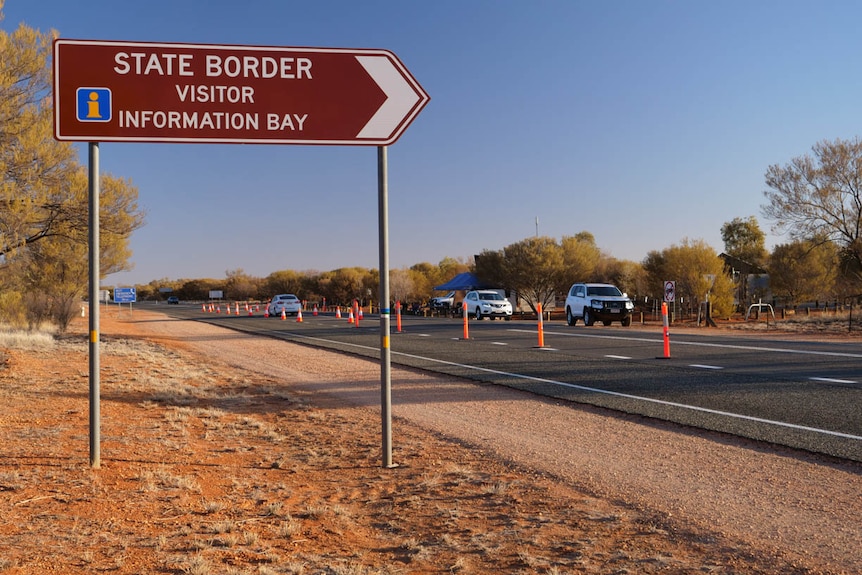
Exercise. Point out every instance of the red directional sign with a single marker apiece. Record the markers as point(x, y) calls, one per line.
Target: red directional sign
point(153, 92)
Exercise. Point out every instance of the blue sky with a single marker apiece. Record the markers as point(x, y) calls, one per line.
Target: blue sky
point(642, 122)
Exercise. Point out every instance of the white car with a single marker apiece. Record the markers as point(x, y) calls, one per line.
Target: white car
point(287, 302)
point(482, 303)
point(603, 302)
point(445, 301)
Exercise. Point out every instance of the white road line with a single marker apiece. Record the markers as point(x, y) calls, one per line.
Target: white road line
point(699, 343)
point(831, 380)
point(702, 366)
point(618, 356)
point(498, 343)
point(596, 390)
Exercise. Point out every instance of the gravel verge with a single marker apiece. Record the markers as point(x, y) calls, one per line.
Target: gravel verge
point(787, 503)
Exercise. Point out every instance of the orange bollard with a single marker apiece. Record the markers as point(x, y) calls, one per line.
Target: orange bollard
point(666, 331)
point(398, 316)
point(541, 326)
point(466, 320)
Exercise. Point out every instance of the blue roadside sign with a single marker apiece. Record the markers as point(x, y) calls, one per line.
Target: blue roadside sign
point(125, 295)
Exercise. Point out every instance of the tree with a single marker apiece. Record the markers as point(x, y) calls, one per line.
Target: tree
point(240, 286)
point(34, 167)
point(284, 281)
point(820, 196)
point(744, 240)
point(197, 289)
point(490, 267)
point(803, 271)
point(44, 201)
point(629, 276)
point(533, 268)
point(695, 268)
point(343, 285)
point(581, 258)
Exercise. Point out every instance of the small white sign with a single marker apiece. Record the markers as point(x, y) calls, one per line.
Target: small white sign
point(669, 291)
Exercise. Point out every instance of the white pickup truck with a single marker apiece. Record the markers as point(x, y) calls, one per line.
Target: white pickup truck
point(594, 301)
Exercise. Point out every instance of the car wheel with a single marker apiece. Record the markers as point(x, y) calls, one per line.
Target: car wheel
point(627, 321)
point(478, 313)
point(570, 319)
point(606, 322)
point(588, 319)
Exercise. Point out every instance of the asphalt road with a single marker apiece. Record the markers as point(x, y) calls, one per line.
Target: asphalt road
point(804, 395)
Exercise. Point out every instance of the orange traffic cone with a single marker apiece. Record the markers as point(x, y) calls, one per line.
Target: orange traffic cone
point(350, 316)
point(314, 311)
point(338, 312)
point(266, 311)
point(218, 309)
point(204, 307)
point(360, 313)
point(299, 316)
point(283, 314)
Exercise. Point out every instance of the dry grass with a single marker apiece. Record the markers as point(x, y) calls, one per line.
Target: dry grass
point(210, 471)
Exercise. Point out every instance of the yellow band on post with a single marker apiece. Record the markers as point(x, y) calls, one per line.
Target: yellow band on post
point(385, 342)
point(94, 336)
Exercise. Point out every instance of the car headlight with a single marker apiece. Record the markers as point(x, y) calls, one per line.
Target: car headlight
point(597, 304)
point(630, 305)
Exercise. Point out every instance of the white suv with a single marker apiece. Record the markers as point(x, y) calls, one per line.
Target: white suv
point(481, 303)
point(603, 302)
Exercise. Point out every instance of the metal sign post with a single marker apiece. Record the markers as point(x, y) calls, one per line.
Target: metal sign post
point(385, 354)
point(95, 416)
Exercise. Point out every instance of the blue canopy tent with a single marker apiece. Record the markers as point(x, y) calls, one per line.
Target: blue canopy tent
point(465, 281)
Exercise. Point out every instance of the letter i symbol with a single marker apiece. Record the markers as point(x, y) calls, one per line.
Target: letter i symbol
point(93, 106)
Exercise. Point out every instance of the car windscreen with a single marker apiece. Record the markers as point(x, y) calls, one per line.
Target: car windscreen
point(604, 290)
point(490, 296)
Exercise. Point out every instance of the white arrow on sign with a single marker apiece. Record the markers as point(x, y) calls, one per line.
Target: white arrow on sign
point(401, 96)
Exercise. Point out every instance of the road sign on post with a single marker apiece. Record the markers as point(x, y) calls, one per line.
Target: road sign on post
point(125, 295)
point(670, 291)
point(107, 91)
point(199, 93)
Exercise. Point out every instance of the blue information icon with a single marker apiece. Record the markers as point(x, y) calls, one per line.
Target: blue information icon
point(93, 104)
